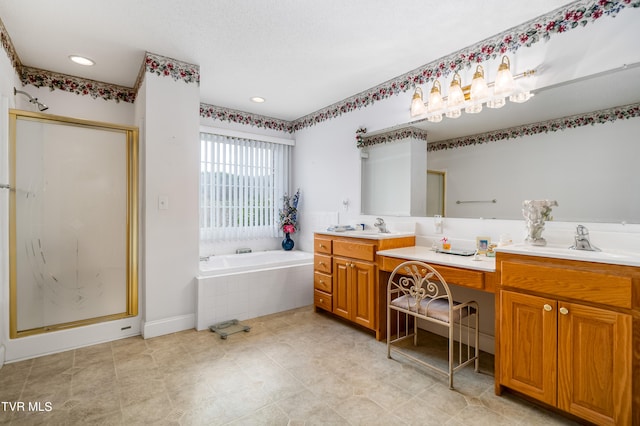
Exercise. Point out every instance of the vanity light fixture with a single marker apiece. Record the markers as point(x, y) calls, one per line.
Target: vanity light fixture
point(435, 97)
point(479, 89)
point(436, 103)
point(417, 104)
point(456, 97)
point(82, 60)
point(478, 93)
point(257, 99)
point(470, 98)
point(504, 85)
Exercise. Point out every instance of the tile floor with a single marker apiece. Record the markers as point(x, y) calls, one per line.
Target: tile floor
point(294, 368)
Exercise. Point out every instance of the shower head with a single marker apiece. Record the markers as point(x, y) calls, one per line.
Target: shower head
point(40, 105)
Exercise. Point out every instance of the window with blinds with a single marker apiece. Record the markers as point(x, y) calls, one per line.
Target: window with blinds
point(242, 182)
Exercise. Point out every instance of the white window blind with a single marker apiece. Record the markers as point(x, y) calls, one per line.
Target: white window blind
point(242, 182)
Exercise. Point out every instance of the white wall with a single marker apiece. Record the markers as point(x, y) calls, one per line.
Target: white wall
point(326, 165)
point(171, 163)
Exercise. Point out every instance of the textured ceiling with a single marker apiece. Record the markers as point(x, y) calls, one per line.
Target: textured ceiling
point(300, 55)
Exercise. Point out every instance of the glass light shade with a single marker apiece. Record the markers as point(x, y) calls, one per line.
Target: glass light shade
point(453, 113)
point(473, 108)
point(496, 103)
point(455, 97)
point(435, 98)
point(504, 84)
point(435, 118)
point(417, 104)
point(479, 88)
point(521, 97)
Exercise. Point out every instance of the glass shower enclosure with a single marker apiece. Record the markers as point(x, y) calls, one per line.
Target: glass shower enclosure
point(73, 215)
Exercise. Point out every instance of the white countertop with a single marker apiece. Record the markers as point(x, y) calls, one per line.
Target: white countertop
point(426, 254)
point(626, 258)
point(371, 235)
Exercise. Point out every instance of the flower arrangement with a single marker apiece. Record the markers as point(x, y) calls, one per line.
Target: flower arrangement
point(446, 245)
point(289, 213)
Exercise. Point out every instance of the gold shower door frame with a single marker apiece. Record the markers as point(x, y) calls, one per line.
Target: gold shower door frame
point(130, 263)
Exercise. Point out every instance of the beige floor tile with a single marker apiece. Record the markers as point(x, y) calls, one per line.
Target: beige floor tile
point(293, 368)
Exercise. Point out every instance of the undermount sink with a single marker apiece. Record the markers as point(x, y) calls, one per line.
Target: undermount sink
point(376, 234)
point(605, 256)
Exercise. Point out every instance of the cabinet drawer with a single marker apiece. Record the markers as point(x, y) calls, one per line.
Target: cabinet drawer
point(322, 300)
point(355, 250)
point(323, 282)
point(322, 245)
point(458, 276)
point(322, 263)
point(597, 287)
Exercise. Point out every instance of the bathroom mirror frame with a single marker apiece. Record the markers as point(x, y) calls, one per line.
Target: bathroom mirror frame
point(127, 227)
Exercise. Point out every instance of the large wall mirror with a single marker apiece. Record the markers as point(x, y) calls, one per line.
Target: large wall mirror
point(589, 170)
point(73, 222)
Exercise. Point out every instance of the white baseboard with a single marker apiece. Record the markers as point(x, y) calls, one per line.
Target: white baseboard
point(42, 344)
point(168, 325)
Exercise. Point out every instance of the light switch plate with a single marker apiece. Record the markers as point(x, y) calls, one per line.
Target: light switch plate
point(163, 202)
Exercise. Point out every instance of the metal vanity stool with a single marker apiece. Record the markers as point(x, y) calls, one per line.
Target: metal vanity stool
point(417, 291)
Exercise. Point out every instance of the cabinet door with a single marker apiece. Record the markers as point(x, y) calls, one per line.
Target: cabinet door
point(363, 307)
point(528, 338)
point(594, 364)
point(341, 287)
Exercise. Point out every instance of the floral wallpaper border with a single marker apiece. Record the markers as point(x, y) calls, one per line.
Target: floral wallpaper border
point(7, 45)
point(571, 122)
point(576, 14)
point(235, 116)
point(168, 67)
point(77, 85)
point(390, 136)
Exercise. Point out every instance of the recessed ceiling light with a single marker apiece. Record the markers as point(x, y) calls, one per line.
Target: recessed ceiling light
point(257, 99)
point(81, 60)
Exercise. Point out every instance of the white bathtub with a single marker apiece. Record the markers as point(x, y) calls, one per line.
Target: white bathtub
point(249, 285)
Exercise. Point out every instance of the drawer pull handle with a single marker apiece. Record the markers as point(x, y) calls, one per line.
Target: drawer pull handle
point(321, 300)
point(564, 311)
point(321, 282)
point(321, 263)
point(547, 307)
point(321, 245)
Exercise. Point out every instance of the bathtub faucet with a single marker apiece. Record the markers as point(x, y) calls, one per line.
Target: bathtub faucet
point(205, 258)
point(243, 250)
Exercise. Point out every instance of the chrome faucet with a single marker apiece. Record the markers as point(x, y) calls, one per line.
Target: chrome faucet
point(382, 227)
point(582, 240)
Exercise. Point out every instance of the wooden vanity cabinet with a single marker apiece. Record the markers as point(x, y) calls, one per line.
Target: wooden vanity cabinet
point(322, 273)
point(566, 335)
point(355, 292)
